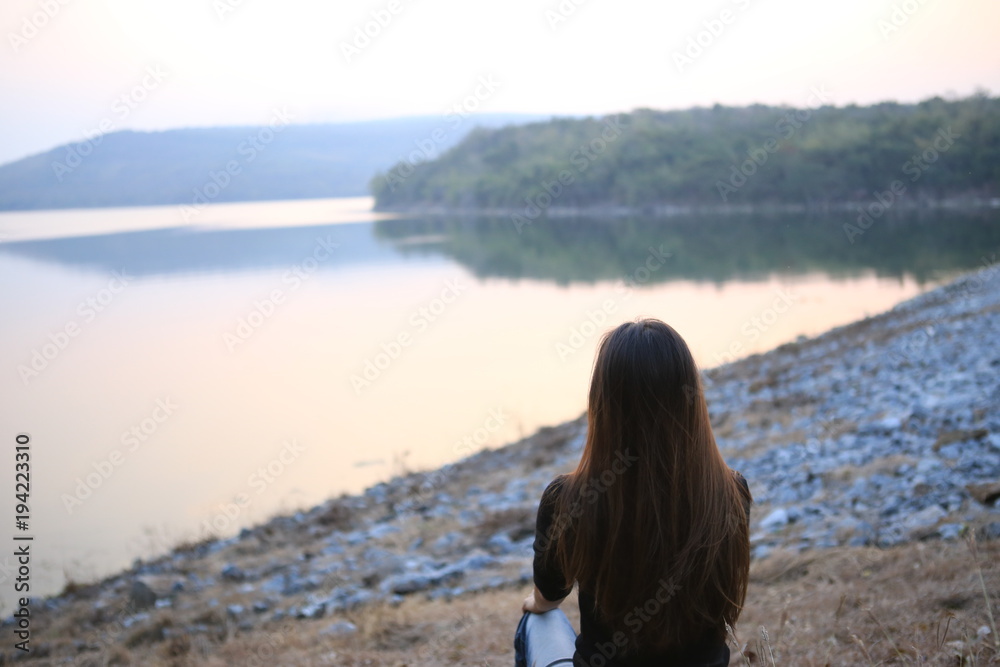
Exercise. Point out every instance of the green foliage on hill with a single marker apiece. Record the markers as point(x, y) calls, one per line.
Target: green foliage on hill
point(710, 156)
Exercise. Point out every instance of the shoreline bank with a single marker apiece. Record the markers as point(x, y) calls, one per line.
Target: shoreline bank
point(877, 434)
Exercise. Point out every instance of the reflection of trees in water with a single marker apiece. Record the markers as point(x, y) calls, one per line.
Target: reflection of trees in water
point(712, 248)
point(563, 250)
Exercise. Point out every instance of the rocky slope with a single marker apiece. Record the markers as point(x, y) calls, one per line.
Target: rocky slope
point(878, 433)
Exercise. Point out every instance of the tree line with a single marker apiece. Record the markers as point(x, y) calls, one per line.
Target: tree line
point(758, 155)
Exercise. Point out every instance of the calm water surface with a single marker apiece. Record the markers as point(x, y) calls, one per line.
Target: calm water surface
point(180, 382)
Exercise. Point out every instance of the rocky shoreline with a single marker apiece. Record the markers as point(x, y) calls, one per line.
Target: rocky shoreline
point(881, 432)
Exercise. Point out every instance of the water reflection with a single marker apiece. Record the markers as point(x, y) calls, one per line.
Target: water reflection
point(189, 251)
point(712, 248)
point(563, 251)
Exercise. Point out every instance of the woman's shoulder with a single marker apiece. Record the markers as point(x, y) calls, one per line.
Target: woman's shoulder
point(554, 487)
point(741, 479)
point(745, 488)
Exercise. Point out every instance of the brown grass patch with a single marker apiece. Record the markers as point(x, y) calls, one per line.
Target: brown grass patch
point(919, 604)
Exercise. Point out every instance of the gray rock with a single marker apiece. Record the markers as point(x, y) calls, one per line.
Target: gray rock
point(275, 584)
point(406, 584)
point(358, 599)
point(339, 629)
point(292, 585)
point(864, 535)
point(231, 572)
point(950, 531)
point(776, 519)
point(468, 517)
point(141, 596)
point(446, 543)
point(380, 530)
point(881, 427)
point(990, 531)
point(952, 451)
point(129, 621)
point(921, 524)
point(500, 544)
point(355, 537)
point(928, 465)
point(476, 561)
point(332, 549)
point(311, 610)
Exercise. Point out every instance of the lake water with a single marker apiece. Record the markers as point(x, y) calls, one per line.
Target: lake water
point(185, 380)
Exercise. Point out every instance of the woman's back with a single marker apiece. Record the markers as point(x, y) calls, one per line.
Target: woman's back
point(652, 524)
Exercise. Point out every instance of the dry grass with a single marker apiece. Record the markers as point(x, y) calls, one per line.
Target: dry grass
point(921, 604)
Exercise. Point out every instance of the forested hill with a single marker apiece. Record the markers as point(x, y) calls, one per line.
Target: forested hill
point(710, 156)
point(225, 164)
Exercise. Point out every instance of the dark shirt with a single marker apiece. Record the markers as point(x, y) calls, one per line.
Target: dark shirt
point(595, 645)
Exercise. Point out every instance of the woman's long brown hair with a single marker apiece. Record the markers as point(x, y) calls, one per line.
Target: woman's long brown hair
point(653, 518)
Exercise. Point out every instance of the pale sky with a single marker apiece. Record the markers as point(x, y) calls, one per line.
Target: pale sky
point(65, 65)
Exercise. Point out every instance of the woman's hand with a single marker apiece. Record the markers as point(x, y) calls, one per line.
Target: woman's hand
point(537, 604)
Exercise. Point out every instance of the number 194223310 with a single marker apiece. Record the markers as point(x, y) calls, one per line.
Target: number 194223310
point(22, 479)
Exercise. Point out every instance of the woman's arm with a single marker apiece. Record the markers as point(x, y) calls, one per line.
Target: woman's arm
point(537, 604)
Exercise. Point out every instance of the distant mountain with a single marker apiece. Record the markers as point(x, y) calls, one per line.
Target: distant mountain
point(191, 166)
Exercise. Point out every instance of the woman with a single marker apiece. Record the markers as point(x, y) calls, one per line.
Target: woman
point(652, 524)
